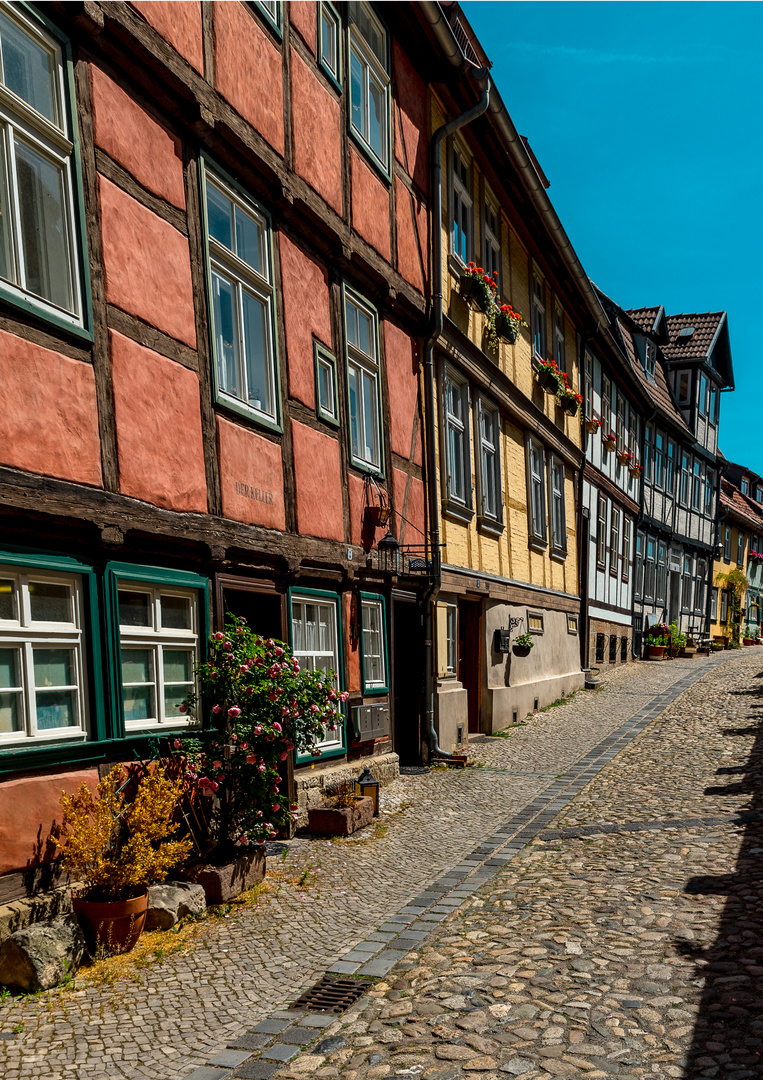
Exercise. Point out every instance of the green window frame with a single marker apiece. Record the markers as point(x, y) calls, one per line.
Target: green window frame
point(326, 385)
point(330, 26)
point(42, 147)
point(272, 13)
point(156, 577)
point(374, 602)
point(322, 597)
point(364, 384)
point(246, 285)
point(33, 752)
point(368, 76)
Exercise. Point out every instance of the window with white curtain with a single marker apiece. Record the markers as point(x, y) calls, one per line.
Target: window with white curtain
point(315, 643)
point(362, 330)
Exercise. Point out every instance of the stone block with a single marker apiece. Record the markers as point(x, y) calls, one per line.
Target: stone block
point(172, 901)
point(341, 820)
point(42, 955)
point(222, 883)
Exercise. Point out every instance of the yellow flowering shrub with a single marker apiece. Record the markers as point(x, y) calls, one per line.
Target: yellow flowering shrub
point(118, 845)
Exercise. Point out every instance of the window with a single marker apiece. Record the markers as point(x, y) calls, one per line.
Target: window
point(620, 422)
point(326, 402)
point(685, 478)
point(369, 82)
point(703, 395)
point(489, 434)
point(614, 540)
point(683, 387)
point(709, 493)
point(638, 584)
point(373, 644)
point(699, 592)
point(696, 491)
point(558, 514)
point(713, 410)
point(741, 538)
point(241, 300)
point(647, 452)
point(560, 354)
point(40, 258)
point(451, 638)
point(537, 491)
point(686, 592)
point(538, 318)
point(744, 486)
point(458, 473)
point(271, 9)
point(328, 42)
point(601, 532)
point(606, 405)
point(649, 569)
point(626, 547)
point(759, 493)
point(588, 385)
point(315, 643)
point(42, 667)
point(724, 606)
point(633, 435)
point(650, 358)
point(535, 622)
point(362, 331)
point(572, 624)
point(492, 243)
point(662, 573)
point(659, 443)
point(158, 645)
point(714, 605)
point(727, 543)
point(670, 465)
point(462, 237)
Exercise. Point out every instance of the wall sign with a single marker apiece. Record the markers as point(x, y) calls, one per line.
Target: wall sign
point(258, 494)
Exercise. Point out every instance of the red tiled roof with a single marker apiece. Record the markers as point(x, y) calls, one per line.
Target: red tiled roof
point(658, 391)
point(645, 317)
point(697, 346)
point(740, 506)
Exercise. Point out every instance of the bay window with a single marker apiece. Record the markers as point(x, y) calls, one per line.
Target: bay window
point(363, 382)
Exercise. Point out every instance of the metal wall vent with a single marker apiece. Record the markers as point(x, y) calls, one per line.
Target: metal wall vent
point(332, 995)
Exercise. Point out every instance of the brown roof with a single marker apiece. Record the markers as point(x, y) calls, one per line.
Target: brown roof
point(698, 345)
point(740, 506)
point(645, 317)
point(658, 391)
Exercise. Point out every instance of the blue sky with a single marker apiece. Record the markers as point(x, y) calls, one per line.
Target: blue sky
point(647, 118)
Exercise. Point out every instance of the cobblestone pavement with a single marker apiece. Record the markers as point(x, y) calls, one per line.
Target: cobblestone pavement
point(519, 927)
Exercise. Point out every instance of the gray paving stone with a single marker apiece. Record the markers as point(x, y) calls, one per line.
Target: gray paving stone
point(257, 1070)
point(317, 1020)
point(229, 1059)
point(272, 1027)
point(346, 967)
point(279, 1052)
point(207, 1073)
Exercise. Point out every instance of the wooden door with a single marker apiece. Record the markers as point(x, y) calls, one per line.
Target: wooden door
point(470, 657)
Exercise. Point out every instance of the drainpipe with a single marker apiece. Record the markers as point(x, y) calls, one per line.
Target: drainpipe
point(481, 75)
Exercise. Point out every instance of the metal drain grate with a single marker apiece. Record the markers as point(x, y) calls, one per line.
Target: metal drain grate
point(332, 995)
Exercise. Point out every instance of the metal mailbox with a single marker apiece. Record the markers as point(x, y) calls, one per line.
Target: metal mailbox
point(371, 721)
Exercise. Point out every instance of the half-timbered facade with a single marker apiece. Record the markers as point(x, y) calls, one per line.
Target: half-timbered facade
point(739, 549)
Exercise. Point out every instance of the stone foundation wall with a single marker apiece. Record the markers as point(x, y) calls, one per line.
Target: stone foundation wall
point(311, 784)
point(603, 626)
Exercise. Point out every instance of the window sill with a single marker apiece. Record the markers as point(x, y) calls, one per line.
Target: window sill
point(541, 546)
point(558, 555)
point(456, 267)
point(490, 526)
point(382, 170)
point(457, 512)
point(241, 409)
point(366, 469)
point(375, 691)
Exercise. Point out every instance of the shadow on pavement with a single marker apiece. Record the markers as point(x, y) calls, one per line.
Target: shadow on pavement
point(728, 1038)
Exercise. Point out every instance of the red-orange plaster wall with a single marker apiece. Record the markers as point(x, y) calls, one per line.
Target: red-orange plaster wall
point(362, 531)
point(351, 641)
point(29, 809)
point(316, 125)
point(135, 140)
point(412, 530)
point(411, 237)
point(370, 206)
point(49, 414)
point(318, 483)
point(248, 71)
point(306, 313)
point(401, 354)
point(303, 18)
point(411, 110)
point(251, 476)
point(146, 264)
point(158, 418)
point(179, 23)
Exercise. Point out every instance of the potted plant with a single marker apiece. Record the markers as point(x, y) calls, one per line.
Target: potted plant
point(748, 637)
point(261, 706)
point(635, 470)
point(507, 323)
point(610, 441)
point(592, 424)
point(657, 641)
point(624, 458)
point(116, 845)
point(478, 289)
point(549, 376)
point(523, 644)
point(341, 812)
point(678, 642)
point(568, 400)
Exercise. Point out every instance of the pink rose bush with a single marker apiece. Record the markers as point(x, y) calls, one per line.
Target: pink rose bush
point(259, 705)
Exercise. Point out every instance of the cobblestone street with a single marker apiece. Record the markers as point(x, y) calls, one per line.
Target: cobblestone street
point(583, 902)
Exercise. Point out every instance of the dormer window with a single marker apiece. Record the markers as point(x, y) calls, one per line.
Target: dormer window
point(759, 493)
point(744, 486)
point(650, 358)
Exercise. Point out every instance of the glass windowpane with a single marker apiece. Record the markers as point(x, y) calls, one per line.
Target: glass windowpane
point(219, 216)
point(43, 227)
point(134, 608)
point(378, 119)
point(249, 241)
point(6, 599)
point(53, 667)
point(175, 612)
point(357, 93)
point(138, 703)
point(10, 713)
point(224, 321)
point(174, 696)
point(29, 69)
point(256, 350)
point(137, 666)
point(56, 709)
point(9, 670)
point(354, 433)
point(178, 666)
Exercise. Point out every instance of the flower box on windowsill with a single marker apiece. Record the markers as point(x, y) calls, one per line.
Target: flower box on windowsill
point(568, 404)
point(507, 328)
point(635, 471)
point(609, 443)
point(592, 425)
point(548, 381)
point(473, 291)
point(624, 458)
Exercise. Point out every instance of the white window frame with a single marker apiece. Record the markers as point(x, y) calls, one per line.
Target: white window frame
point(372, 609)
point(744, 485)
point(650, 358)
point(560, 345)
point(52, 140)
point(374, 71)
point(491, 258)
point(741, 544)
point(24, 636)
point(155, 639)
point(601, 530)
point(536, 492)
point(451, 639)
point(703, 385)
point(714, 605)
point(316, 659)
point(326, 362)
point(606, 405)
point(588, 385)
point(638, 566)
point(684, 491)
point(538, 317)
point(557, 507)
point(328, 12)
point(696, 484)
point(626, 567)
point(456, 442)
point(699, 589)
point(366, 454)
point(462, 207)
point(489, 456)
point(709, 492)
point(614, 540)
point(724, 606)
point(727, 543)
point(222, 263)
point(650, 568)
point(687, 584)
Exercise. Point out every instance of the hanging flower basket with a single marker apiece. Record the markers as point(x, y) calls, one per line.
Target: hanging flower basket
point(478, 289)
point(635, 470)
point(592, 425)
point(624, 458)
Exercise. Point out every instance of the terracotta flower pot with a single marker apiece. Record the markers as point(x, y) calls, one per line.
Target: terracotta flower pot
point(112, 926)
point(656, 652)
